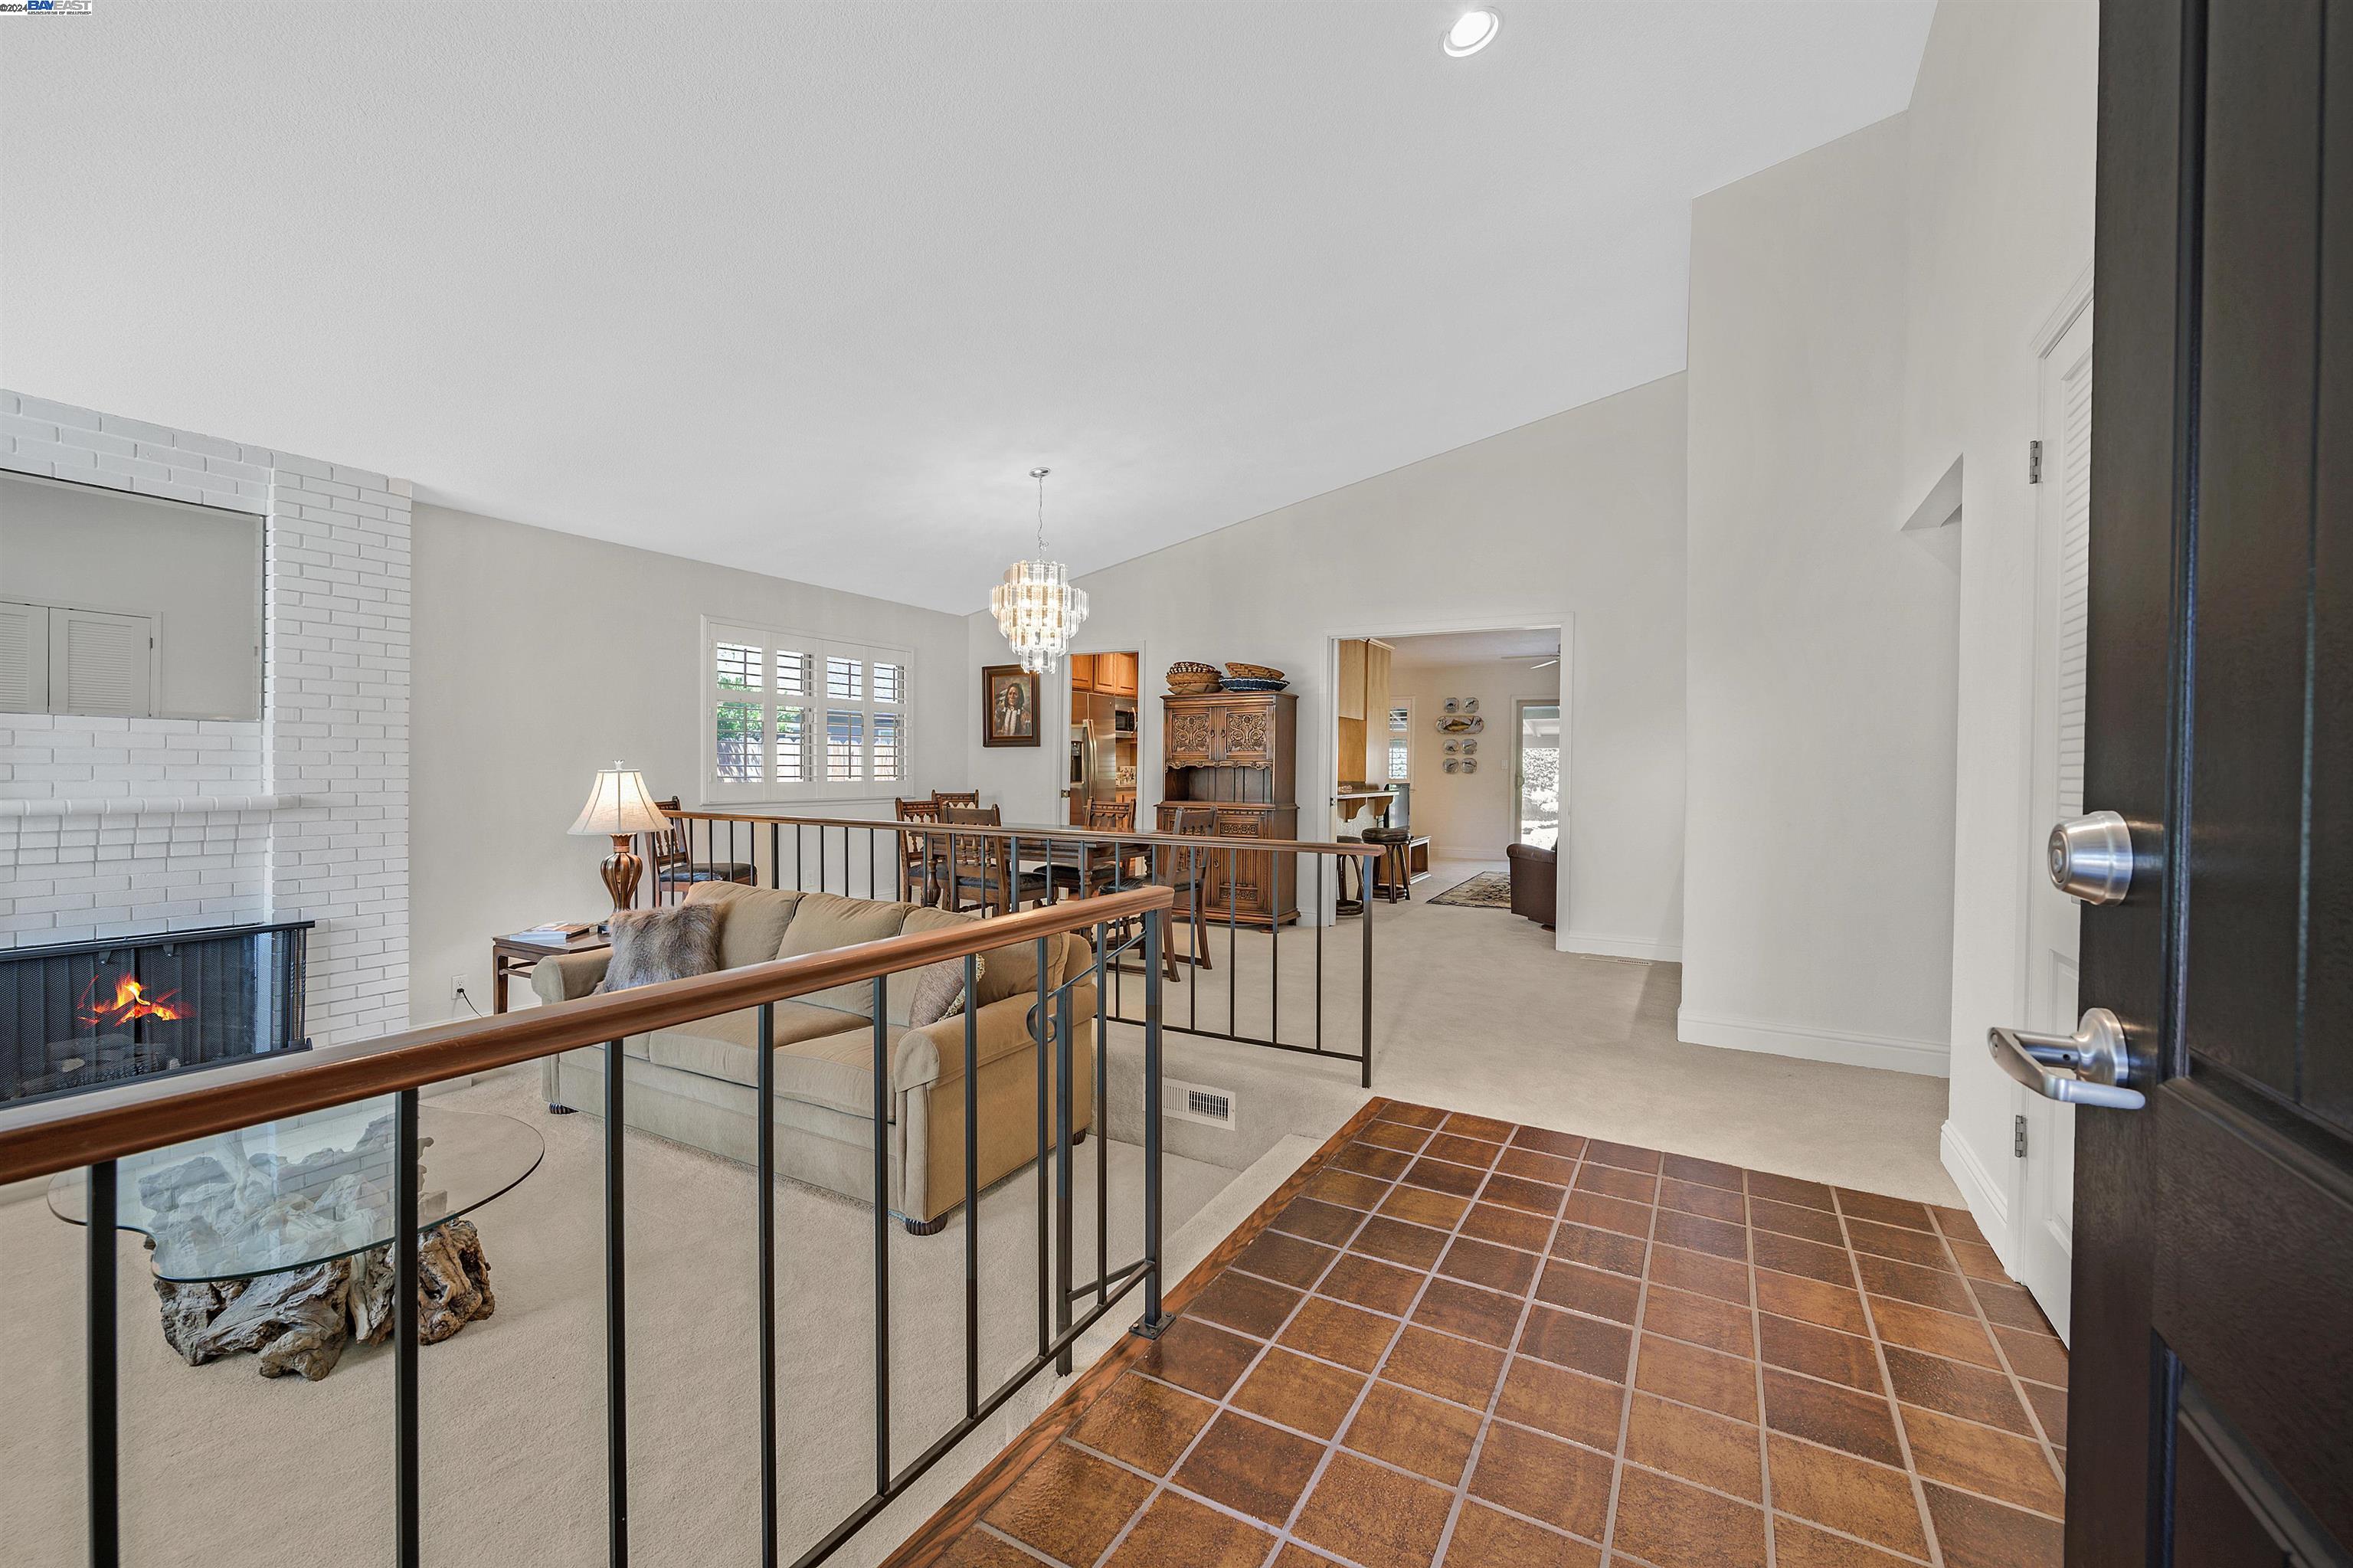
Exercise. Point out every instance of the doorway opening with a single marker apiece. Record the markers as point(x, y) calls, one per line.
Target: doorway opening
point(1099, 788)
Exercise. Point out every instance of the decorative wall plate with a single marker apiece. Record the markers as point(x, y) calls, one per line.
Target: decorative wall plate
point(1470, 704)
point(1453, 705)
point(1453, 765)
point(1469, 764)
point(1452, 746)
point(1470, 747)
point(1461, 726)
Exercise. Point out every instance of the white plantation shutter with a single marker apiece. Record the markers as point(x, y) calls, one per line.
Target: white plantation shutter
point(23, 658)
point(2074, 578)
point(791, 716)
point(101, 663)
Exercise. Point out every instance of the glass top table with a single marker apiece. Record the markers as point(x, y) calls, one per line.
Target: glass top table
point(288, 1195)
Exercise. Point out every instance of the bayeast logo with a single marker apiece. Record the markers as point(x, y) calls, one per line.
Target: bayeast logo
point(40, 7)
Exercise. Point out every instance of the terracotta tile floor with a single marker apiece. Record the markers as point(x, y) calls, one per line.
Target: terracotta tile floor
point(1450, 1340)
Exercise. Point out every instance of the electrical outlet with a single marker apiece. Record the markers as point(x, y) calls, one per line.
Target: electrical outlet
point(456, 987)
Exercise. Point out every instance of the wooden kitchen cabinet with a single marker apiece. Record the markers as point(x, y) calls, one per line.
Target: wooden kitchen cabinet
point(1236, 752)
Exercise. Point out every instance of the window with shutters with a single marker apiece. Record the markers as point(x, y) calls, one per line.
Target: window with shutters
point(1401, 742)
point(792, 716)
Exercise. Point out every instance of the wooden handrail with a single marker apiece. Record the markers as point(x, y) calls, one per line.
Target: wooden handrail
point(58, 1135)
point(1220, 842)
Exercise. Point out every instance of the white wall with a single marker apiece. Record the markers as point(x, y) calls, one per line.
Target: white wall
point(1817, 900)
point(540, 658)
point(2001, 177)
point(1469, 816)
point(1575, 519)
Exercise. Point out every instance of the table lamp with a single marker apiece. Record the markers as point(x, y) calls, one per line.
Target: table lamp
point(619, 807)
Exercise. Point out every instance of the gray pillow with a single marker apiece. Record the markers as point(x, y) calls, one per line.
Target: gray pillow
point(920, 997)
point(650, 946)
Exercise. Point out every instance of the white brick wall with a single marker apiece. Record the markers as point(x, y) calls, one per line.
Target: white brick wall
point(113, 827)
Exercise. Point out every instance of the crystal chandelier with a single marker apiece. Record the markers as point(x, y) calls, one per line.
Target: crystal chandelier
point(1037, 608)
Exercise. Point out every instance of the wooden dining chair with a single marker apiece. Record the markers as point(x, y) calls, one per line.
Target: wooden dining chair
point(1100, 866)
point(1188, 874)
point(670, 857)
point(986, 876)
point(956, 797)
point(921, 856)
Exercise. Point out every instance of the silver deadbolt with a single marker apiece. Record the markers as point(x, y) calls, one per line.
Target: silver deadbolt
point(2091, 858)
point(2093, 1066)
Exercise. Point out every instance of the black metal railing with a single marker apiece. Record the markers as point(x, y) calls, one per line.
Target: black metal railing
point(95, 1130)
point(1297, 892)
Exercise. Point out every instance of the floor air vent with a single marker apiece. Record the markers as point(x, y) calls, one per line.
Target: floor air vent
point(1199, 1102)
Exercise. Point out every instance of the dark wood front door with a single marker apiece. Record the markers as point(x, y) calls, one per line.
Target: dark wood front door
point(2212, 1413)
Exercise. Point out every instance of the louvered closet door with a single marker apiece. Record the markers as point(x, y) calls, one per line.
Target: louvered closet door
point(23, 658)
point(101, 663)
point(2046, 1174)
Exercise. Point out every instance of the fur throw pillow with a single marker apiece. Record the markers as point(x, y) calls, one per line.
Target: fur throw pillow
point(650, 946)
point(924, 996)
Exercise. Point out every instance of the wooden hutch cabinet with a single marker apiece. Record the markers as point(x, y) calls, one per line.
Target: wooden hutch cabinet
point(1236, 751)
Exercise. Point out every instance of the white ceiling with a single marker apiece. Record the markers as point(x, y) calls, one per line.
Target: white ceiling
point(808, 288)
point(1474, 646)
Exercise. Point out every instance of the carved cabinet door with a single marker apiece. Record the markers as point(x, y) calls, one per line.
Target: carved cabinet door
point(1246, 737)
point(1192, 738)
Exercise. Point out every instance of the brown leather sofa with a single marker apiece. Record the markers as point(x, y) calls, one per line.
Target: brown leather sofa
point(1536, 883)
point(696, 1084)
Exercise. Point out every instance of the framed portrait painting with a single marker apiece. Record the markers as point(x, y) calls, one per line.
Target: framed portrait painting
point(1009, 705)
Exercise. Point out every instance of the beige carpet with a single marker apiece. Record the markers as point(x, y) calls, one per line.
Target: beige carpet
point(1473, 1009)
point(222, 1466)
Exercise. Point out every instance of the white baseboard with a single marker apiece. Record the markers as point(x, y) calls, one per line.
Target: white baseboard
point(1987, 1200)
point(1930, 1057)
point(1607, 947)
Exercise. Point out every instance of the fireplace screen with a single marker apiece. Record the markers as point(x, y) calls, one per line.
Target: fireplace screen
point(93, 1014)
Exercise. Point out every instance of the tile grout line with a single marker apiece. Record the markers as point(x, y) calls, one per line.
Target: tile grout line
point(1887, 1383)
point(1633, 1355)
point(1756, 1345)
point(1373, 1376)
point(2017, 1388)
point(1487, 1418)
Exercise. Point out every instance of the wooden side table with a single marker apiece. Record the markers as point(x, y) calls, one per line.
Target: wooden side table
point(511, 955)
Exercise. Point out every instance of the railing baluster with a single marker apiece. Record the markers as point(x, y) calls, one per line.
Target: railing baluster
point(1366, 1047)
point(1101, 1120)
point(1274, 944)
point(1200, 943)
point(408, 1538)
point(881, 1225)
point(1233, 914)
point(1039, 1030)
point(617, 1368)
point(101, 1402)
point(1063, 1060)
point(971, 1184)
point(765, 1162)
point(1323, 918)
point(1154, 936)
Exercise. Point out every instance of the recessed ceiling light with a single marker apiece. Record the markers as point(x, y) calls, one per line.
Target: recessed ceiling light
point(1473, 31)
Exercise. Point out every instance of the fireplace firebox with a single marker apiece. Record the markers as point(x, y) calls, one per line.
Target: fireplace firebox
point(87, 1014)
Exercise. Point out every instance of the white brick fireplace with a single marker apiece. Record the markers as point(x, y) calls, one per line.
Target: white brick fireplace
point(119, 827)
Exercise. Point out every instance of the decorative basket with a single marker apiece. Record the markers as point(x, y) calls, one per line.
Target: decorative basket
point(1192, 685)
point(1254, 671)
point(1191, 667)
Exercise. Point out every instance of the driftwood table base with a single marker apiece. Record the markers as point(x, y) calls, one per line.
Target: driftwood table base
point(300, 1321)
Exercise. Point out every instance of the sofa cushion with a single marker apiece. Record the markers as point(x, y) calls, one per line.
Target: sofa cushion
point(722, 1048)
point(900, 997)
point(1011, 970)
point(752, 920)
point(825, 921)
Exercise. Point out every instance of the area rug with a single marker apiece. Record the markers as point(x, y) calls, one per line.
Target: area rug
point(1450, 1338)
point(1488, 890)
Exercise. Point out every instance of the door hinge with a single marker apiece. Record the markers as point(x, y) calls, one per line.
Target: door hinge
point(2034, 462)
point(2018, 1135)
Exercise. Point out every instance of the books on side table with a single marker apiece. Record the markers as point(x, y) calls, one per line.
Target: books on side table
point(556, 933)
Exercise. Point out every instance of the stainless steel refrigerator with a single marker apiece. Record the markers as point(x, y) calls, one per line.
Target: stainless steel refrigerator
point(1101, 768)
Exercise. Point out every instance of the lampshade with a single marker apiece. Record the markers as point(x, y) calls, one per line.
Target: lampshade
point(618, 803)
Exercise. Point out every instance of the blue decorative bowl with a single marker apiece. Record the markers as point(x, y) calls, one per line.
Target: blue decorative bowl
point(1244, 683)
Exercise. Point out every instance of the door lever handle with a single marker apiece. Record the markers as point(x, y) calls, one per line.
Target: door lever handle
point(2089, 1067)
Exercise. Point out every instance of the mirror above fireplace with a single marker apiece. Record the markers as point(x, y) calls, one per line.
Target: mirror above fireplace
point(127, 606)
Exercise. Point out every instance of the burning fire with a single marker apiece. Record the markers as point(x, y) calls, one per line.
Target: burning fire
point(131, 1001)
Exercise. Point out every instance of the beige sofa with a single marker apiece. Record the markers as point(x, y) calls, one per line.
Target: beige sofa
point(696, 1084)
